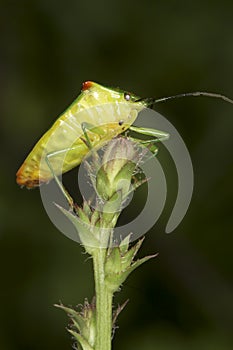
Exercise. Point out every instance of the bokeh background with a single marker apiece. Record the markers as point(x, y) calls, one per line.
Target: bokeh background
point(184, 298)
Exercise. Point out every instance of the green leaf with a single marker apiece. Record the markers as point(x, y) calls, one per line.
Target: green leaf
point(113, 262)
point(86, 208)
point(85, 345)
point(128, 257)
point(84, 230)
point(95, 217)
point(114, 281)
point(138, 263)
point(74, 315)
point(83, 322)
point(124, 245)
point(102, 185)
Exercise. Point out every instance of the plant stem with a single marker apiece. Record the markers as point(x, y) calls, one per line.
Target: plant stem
point(103, 302)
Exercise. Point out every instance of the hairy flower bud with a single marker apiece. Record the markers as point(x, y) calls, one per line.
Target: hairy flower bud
point(118, 165)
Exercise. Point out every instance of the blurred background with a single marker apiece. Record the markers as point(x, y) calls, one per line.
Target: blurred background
point(183, 299)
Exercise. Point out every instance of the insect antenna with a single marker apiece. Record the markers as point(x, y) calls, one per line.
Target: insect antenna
point(152, 101)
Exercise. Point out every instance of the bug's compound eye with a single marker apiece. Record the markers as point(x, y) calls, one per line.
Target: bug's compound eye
point(121, 122)
point(127, 96)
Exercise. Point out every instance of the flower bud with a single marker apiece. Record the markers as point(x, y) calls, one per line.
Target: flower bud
point(117, 167)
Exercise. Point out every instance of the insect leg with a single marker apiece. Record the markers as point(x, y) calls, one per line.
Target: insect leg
point(95, 130)
point(56, 178)
point(158, 136)
point(85, 127)
point(87, 142)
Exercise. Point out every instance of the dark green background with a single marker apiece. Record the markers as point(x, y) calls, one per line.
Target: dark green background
point(184, 298)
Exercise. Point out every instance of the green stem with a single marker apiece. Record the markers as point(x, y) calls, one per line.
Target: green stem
point(103, 303)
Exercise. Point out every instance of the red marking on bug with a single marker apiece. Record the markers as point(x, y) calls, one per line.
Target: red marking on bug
point(87, 85)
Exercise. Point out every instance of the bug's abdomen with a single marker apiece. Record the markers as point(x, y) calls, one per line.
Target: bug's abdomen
point(65, 144)
point(35, 171)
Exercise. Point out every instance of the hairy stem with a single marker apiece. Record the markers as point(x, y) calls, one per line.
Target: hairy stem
point(103, 302)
